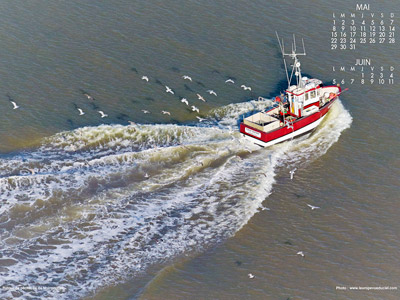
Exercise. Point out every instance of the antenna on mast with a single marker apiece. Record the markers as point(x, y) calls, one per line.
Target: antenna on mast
point(296, 65)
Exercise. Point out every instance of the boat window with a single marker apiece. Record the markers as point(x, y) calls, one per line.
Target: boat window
point(306, 95)
point(312, 94)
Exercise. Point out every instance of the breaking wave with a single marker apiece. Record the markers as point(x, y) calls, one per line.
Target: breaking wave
point(92, 206)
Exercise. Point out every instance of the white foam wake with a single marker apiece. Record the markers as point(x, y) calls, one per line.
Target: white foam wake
point(105, 202)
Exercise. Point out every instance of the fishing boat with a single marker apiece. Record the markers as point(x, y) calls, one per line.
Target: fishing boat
point(296, 111)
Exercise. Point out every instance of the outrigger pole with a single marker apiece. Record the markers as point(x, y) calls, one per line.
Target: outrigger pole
point(284, 61)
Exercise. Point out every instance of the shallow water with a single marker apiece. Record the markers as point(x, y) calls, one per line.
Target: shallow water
point(170, 207)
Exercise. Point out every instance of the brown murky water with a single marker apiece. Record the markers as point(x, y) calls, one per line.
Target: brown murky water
point(96, 208)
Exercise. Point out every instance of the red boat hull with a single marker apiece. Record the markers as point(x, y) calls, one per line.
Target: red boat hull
point(300, 126)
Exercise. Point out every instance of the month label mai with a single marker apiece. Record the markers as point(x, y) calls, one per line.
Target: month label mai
point(363, 27)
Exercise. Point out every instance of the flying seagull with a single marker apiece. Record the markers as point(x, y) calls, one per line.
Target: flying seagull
point(168, 90)
point(145, 78)
point(229, 81)
point(211, 92)
point(194, 108)
point(200, 119)
point(300, 253)
point(264, 208)
point(251, 276)
point(164, 112)
point(245, 87)
point(187, 77)
point(145, 111)
point(312, 206)
point(88, 96)
point(15, 106)
point(184, 100)
point(81, 113)
point(103, 115)
point(201, 97)
point(292, 173)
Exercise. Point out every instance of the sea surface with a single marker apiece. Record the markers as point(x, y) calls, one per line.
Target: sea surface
point(164, 206)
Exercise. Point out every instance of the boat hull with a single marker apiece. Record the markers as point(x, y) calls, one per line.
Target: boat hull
point(300, 127)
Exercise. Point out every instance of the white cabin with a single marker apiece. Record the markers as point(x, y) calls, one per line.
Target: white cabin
point(304, 95)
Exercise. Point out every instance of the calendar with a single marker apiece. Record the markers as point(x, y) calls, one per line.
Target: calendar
point(363, 26)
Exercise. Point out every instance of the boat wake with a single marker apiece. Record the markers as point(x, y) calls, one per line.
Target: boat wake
point(92, 206)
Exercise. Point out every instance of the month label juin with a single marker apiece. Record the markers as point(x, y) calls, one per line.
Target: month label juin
point(364, 71)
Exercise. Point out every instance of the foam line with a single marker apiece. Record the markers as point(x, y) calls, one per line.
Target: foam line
point(106, 202)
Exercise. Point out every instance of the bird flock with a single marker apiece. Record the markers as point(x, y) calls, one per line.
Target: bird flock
point(184, 100)
point(191, 106)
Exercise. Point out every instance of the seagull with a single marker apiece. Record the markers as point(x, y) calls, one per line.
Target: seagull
point(264, 208)
point(146, 175)
point(164, 112)
point(245, 87)
point(229, 81)
point(187, 77)
point(201, 97)
point(200, 119)
point(194, 108)
point(145, 111)
point(103, 115)
point(300, 253)
point(292, 173)
point(183, 100)
point(88, 96)
point(32, 171)
point(81, 113)
point(14, 104)
point(251, 276)
point(312, 207)
point(168, 90)
point(211, 92)
point(145, 78)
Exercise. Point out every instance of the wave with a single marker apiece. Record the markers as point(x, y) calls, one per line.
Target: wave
point(92, 206)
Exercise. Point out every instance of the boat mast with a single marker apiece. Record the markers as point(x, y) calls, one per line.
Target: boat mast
point(296, 65)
